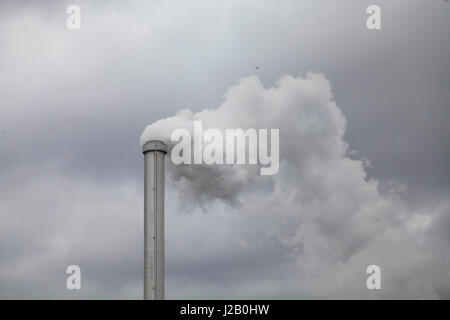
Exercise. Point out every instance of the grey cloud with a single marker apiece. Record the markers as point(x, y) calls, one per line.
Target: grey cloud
point(74, 104)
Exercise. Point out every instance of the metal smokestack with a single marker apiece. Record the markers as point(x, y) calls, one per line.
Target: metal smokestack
point(154, 154)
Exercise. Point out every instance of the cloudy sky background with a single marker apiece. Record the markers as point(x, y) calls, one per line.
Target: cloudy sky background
point(73, 105)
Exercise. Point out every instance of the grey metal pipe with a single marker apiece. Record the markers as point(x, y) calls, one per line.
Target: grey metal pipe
point(154, 154)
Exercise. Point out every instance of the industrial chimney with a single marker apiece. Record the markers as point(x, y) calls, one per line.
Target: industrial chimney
point(154, 154)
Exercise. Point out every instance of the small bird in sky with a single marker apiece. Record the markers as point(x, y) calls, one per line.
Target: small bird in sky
point(256, 67)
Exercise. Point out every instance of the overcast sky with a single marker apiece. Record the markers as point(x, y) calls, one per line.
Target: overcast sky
point(363, 118)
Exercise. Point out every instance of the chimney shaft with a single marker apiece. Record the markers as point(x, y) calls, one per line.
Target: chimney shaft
point(154, 154)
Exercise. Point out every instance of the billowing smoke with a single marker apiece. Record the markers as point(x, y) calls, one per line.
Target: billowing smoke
point(324, 207)
point(310, 124)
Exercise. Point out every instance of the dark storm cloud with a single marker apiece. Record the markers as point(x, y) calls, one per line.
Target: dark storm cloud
point(73, 105)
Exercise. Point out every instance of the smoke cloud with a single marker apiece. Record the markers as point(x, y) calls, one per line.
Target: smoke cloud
point(332, 219)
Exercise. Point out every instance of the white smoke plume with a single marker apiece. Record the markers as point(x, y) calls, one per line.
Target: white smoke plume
point(325, 209)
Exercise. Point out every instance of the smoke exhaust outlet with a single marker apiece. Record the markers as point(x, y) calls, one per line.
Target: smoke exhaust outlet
point(154, 156)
